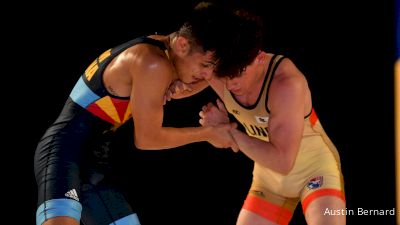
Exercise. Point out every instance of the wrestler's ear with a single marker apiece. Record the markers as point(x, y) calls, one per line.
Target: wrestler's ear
point(261, 57)
point(182, 46)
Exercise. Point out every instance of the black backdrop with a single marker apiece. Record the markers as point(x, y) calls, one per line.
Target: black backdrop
point(345, 51)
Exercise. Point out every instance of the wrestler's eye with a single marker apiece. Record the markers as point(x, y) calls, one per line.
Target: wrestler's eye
point(206, 65)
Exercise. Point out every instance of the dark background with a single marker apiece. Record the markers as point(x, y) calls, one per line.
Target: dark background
point(345, 51)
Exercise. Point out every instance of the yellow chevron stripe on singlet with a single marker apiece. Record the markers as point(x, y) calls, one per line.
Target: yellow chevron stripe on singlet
point(92, 68)
point(108, 107)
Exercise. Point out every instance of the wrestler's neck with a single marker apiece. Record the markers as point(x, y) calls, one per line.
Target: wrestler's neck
point(166, 39)
point(168, 42)
point(255, 74)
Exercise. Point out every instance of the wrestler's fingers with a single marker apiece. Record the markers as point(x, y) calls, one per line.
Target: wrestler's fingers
point(221, 106)
point(187, 87)
point(201, 114)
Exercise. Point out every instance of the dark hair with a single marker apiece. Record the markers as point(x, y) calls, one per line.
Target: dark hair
point(207, 26)
point(235, 36)
point(240, 49)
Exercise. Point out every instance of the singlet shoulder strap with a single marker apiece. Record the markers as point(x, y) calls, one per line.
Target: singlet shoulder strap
point(151, 41)
point(148, 40)
point(273, 65)
point(143, 39)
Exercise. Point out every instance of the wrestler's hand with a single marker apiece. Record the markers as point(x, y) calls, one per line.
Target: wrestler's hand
point(176, 90)
point(221, 136)
point(212, 115)
point(217, 117)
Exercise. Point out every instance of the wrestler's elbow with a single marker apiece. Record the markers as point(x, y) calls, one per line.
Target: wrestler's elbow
point(285, 168)
point(144, 142)
point(287, 160)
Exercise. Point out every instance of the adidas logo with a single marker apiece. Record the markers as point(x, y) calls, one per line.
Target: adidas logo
point(72, 194)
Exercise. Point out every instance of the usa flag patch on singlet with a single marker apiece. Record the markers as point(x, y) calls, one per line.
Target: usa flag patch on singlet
point(315, 182)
